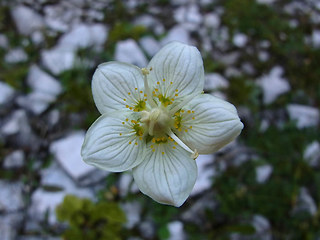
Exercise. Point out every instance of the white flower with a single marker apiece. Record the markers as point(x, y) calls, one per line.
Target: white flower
point(156, 120)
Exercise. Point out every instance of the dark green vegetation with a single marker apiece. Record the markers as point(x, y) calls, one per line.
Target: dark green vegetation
point(90, 221)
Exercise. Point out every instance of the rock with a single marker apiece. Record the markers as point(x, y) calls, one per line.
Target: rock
point(305, 203)
point(305, 116)
point(17, 130)
point(176, 231)
point(150, 45)
point(263, 228)
point(214, 81)
point(53, 118)
point(45, 90)
point(38, 238)
point(36, 102)
point(37, 37)
point(62, 57)
point(96, 176)
point(17, 122)
point(205, 3)
point(55, 185)
point(14, 160)
point(129, 51)
point(83, 36)
point(266, 1)
point(188, 16)
point(67, 152)
point(273, 85)
point(6, 93)
point(9, 224)
point(125, 182)
point(316, 38)
point(264, 44)
point(57, 18)
point(179, 2)
point(240, 40)
point(4, 41)
point(26, 19)
point(44, 202)
point(228, 59)
point(232, 72)
point(248, 68)
point(265, 124)
point(15, 55)
point(41, 81)
point(205, 174)
point(196, 213)
point(177, 33)
point(11, 196)
point(312, 154)
point(263, 173)
point(58, 59)
point(133, 213)
point(151, 23)
point(212, 20)
point(263, 56)
point(221, 38)
point(147, 230)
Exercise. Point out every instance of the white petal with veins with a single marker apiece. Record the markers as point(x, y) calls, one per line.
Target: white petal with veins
point(166, 174)
point(215, 124)
point(177, 67)
point(112, 144)
point(116, 85)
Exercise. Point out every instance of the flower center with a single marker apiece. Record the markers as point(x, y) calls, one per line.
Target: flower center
point(157, 121)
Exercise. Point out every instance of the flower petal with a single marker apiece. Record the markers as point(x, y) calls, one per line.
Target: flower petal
point(167, 175)
point(112, 144)
point(177, 66)
point(116, 85)
point(208, 124)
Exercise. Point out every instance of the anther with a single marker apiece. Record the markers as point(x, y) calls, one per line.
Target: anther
point(195, 154)
point(145, 71)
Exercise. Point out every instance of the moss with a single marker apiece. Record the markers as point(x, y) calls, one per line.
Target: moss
point(77, 95)
point(239, 194)
point(243, 91)
point(90, 221)
point(125, 30)
point(287, 45)
point(14, 75)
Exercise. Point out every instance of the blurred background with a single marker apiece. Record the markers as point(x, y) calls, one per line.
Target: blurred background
point(261, 55)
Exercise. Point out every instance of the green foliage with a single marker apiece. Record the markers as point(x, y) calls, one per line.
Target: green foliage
point(161, 215)
point(287, 45)
point(258, 20)
point(244, 92)
point(240, 196)
point(124, 30)
point(210, 65)
point(14, 75)
point(90, 221)
point(77, 95)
